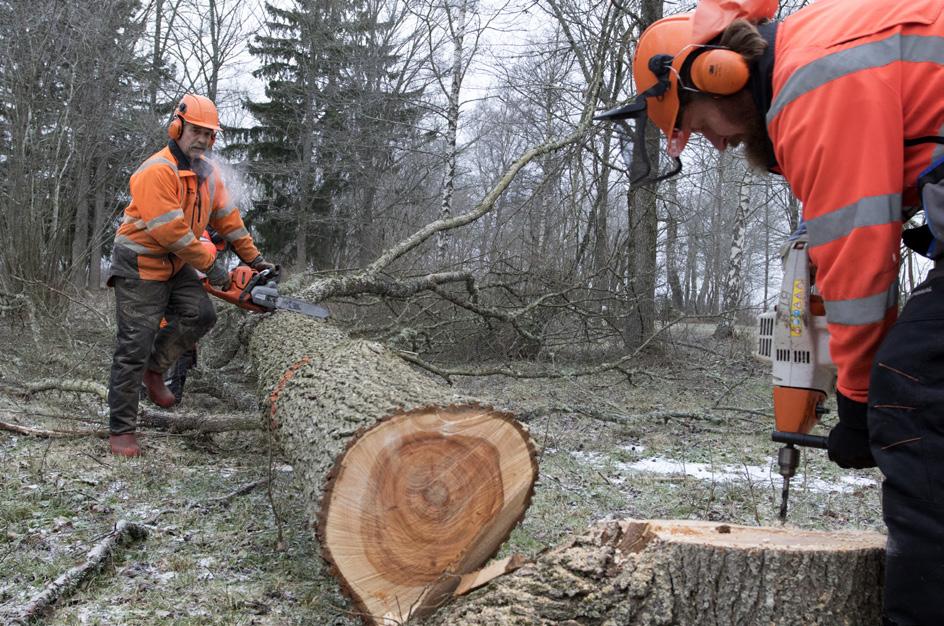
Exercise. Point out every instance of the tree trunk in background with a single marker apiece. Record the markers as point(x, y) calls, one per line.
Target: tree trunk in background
point(695, 573)
point(671, 248)
point(407, 485)
point(457, 28)
point(80, 236)
point(732, 282)
point(99, 228)
point(643, 223)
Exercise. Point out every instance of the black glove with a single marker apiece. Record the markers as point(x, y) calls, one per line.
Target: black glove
point(259, 264)
point(848, 443)
point(218, 275)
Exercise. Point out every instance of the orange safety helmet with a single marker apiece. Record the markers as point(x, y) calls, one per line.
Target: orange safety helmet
point(196, 110)
point(678, 43)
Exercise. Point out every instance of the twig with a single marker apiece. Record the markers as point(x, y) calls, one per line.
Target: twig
point(67, 582)
point(241, 491)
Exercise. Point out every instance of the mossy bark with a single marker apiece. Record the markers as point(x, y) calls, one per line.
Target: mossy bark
point(325, 387)
point(407, 485)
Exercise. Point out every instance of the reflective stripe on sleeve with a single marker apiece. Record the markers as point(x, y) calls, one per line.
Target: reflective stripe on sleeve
point(910, 48)
point(239, 233)
point(221, 213)
point(181, 243)
point(160, 220)
point(871, 211)
point(139, 224)
point(858, 311)
point(124, 242)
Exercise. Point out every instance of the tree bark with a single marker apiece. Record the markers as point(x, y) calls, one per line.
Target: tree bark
point(633, 572)
point(407, 485)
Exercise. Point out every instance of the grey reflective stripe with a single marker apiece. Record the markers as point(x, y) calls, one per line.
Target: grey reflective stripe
point(139, 224)
point(160, 220)
point(124, 242)
point(869, 211)
point(181, 243)
point(221, 213)
point(866, 310)
point(236, 234)
point(155, 161)
point(911, 48)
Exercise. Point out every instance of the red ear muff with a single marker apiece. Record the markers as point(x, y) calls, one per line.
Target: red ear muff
point(176, 129)
point(719, 71)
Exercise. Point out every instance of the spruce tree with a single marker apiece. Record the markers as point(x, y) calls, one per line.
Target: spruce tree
point(332, 117)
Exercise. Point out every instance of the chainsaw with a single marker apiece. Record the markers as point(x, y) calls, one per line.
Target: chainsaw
point(795, 338)
point(259, 292)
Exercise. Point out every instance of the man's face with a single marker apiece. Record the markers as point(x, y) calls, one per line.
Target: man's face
point(195, 140)
point(727, 123)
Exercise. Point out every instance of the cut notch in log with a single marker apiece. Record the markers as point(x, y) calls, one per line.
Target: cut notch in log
point(420, 499)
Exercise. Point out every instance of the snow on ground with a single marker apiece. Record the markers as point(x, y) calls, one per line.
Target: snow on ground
point(725, 473)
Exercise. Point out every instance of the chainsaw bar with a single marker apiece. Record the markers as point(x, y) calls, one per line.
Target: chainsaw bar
point(267, 296)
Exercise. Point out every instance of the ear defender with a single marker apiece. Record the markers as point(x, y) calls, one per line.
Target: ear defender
point(719, 71)
point(176, 129)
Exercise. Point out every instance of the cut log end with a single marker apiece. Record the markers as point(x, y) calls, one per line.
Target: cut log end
point(420, 499)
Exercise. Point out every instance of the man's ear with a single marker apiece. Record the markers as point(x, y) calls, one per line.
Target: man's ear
point(720, 71)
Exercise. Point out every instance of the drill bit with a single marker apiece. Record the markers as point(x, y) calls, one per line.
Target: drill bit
point(788, 459)
point(784, 497)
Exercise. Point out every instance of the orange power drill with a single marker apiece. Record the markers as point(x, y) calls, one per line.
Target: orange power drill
point(795, 338)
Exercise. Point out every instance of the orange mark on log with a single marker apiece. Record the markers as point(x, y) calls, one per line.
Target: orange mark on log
point(431, 495)
point(287, 376)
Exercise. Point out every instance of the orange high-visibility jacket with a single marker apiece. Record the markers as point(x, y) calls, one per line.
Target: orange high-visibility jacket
point(852, 80)
point(168, 211)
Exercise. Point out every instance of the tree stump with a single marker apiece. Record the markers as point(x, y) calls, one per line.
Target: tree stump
point(407, 485)
point(685, 573)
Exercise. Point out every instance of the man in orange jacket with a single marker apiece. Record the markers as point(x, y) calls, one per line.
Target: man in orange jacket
point(843, 99)
point(175, 195)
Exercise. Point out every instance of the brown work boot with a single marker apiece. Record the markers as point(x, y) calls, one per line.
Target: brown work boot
point(124, 445)
point(157, 391)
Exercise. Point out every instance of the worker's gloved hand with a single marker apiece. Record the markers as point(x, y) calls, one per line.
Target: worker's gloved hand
point(218, 275)
point(259, 264)
point(848, 443)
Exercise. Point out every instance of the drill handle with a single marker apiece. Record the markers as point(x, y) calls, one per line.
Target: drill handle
point(798, 439)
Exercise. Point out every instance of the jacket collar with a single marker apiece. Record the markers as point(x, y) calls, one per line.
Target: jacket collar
point(200, 167)
point(761, 84)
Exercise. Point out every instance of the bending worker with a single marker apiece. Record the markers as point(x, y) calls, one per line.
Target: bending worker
point(175, 194)
point(843, 98)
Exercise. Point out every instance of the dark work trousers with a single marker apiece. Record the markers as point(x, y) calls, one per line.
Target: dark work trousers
point(142, 344)
point(906, 429)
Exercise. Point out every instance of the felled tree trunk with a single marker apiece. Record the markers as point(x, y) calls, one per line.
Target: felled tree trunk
point(678, 572)
point(407, 485)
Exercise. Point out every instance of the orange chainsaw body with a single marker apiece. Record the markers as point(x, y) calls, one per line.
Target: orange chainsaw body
point(239, 292)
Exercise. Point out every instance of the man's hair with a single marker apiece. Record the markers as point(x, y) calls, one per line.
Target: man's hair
point(744, 38)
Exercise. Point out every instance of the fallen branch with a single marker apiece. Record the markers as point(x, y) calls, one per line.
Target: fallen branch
point(158, 420)
point(205, 424)
point(30, 431)
point(67, 582)
point(78, 386)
